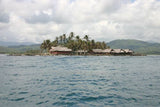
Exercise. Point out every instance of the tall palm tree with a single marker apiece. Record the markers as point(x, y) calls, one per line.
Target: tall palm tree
point(42, 47)
point(48, 45)
point(57, 39)
point(77, 37)
point(86, 37)
point(71, 35)
point(92, 44)
point(61, 39)
point(104, 45)
point(98, 45)
point(64, 38)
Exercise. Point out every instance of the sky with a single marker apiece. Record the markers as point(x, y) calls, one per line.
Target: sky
point(102, 20)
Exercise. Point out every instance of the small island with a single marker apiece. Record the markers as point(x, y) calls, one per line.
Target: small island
point(74, 45)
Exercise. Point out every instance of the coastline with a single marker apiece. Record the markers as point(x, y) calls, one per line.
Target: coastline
point(48, 54)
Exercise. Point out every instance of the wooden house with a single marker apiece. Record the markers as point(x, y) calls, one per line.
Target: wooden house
point(128, 51)
point(59, 50)
point(118, 52)
point(98, 51)
point(81, 52)
point(101, 51)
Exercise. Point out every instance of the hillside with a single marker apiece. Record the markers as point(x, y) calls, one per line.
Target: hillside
point(19, 49)
point(6, 44)
point(23, 48)
point(136, 45)
point(6, 50)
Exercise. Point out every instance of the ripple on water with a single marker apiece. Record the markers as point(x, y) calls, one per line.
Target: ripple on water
point(17, 99)
point(64, 103)
point(91, 98)
point(15, 74)
point(42, 102)
point(63, 81)
point(73, 94)
point(23, 93)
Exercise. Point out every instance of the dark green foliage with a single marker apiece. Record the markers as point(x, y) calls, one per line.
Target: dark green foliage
point(74, 42)
point(46, 45)
point(19, 49)
point(32, 52)
point(4, 50)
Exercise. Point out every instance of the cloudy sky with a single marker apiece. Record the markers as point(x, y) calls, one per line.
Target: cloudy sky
point(36, 20)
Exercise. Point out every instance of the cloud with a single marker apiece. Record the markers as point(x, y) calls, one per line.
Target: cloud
point(35, 20)
point(140, 19)
point(4, 17)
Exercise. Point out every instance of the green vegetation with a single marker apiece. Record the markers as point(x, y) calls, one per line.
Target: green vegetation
point(76, 43)
point(24, 48)
point(4, 50)
point(73, 42)
point(26, 53)
point(18, 50)
point(136, 45)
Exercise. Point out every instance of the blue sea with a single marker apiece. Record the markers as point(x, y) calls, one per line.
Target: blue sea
point(79, 81)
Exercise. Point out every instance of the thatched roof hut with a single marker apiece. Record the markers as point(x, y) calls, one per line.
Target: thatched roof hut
point(128, 51)
point(60, 50)
point(101, 51)
point(81, 52)
point(98, 51)
point(108, 50)
point(117, 51)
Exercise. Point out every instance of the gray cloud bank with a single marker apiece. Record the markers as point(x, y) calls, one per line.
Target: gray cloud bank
point(36, 20)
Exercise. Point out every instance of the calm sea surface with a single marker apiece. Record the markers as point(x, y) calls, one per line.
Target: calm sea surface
point(75, 81)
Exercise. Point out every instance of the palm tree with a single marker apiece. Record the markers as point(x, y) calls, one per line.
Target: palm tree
point(61, 39)
point(86, 37)
point(71, 35)
point(98, 45)
point(79, 45)
point(48, 45)
point(77, 38)
point(57, 39)
point(84, 45)
point(104, 45)
point(64, 38)
point(89, 46)
point(42, 47)
point(54, 43)
point(92, 44)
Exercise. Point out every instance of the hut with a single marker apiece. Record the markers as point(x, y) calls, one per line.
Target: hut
point(98, 51)
point(59, 50)
point(101, 51)
point(81, 52)
point(108, 51)
point(128, 51)
point(118, 52)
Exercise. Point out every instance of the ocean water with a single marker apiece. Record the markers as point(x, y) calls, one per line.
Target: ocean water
point(79, 81)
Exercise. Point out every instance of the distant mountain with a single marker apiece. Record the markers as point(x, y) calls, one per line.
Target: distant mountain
point(6, 49)
point(23, 48)
point(136, 45)
point(20, 48)
point(2, 43)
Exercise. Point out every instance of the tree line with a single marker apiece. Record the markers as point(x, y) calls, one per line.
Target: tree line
point(73, 42)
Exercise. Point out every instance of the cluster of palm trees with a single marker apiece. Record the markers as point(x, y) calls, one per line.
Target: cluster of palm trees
point(73, 42)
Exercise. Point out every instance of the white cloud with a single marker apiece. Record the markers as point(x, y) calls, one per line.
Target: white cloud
point(35, 20)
